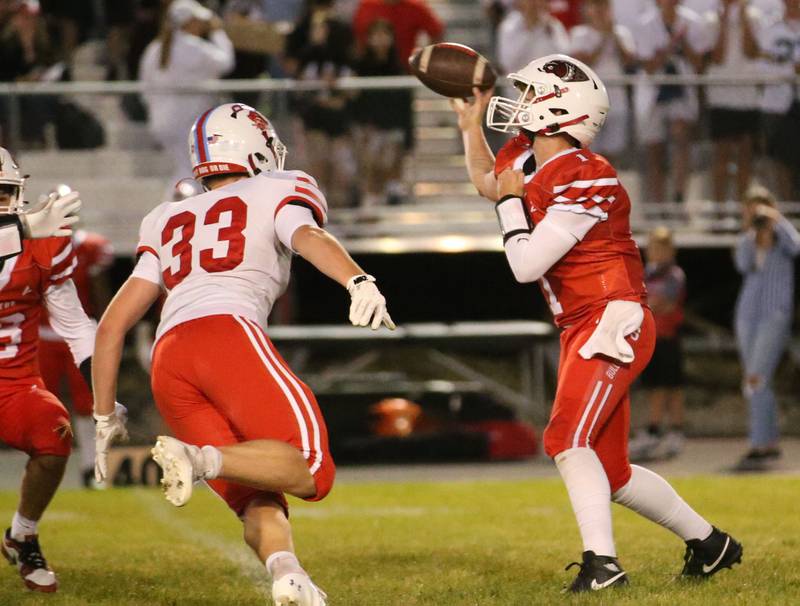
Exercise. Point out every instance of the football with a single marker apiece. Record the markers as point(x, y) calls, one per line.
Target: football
point(452, 69)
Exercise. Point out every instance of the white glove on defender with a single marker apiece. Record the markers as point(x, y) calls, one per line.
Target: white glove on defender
point(367, 305)
point(54, 219)
point(109, 428)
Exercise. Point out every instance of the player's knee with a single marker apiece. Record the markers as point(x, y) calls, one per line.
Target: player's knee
point(323, 480)
point(554, 441)
point(619, 477)
point(753, 383)
point(49, 463)
point(53, 434)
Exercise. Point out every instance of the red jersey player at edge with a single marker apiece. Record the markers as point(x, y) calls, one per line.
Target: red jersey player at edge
point(565, 221)
point(31, 418)
point(247, 424)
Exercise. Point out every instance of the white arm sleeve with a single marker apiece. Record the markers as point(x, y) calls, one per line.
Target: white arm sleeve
point(289, 219)
point(68, 319)
point(532, 255)
point(148, 268)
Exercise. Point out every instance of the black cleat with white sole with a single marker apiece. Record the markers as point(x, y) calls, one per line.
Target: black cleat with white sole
point(707, 557)
point(596, 573)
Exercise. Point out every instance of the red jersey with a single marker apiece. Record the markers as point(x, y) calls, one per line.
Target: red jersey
point(409, 18)
point(23, 281)
point(605, 265)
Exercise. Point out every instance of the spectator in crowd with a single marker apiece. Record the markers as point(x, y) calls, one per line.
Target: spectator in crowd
point(320, 48)
point(248, 64)
point(120, 16)
point(764, 256)
point(529, 31)
point(670, 39)
point(191, 48)
point(383, 119)
point(663, 377)
point(71, 23)
point(780, 45)
point(609, 49)
point(733, 111)
point(495, 11)
point(409, 19)
point(628, 13)
point(26, 55)
point(567, 11)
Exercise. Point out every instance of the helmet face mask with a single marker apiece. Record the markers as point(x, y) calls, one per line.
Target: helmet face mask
point(558, 95)
point(234, 139)
point(12, 185)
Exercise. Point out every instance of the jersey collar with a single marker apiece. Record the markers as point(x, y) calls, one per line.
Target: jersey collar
point(558, 155)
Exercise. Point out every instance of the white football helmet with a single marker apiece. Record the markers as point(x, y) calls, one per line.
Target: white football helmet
point(558, 95)
point(12, 184)
point(234, 139)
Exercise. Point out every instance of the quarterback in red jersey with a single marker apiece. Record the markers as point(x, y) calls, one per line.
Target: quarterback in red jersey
point(565, 219)
point(31, 418)
point(94, 254)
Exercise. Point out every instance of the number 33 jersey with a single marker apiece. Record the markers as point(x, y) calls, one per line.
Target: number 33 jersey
point(606, 265)
point(219, 252)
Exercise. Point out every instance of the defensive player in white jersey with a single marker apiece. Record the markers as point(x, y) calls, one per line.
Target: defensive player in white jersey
point(246, 423)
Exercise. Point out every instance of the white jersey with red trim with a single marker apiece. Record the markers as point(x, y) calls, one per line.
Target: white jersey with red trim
point(218, 253)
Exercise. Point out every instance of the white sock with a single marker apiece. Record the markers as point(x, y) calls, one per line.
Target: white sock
point(84, 432)
point(22, 527)
point(281, 563)
point(651, 496)
point(590, 495)
point(212, 462)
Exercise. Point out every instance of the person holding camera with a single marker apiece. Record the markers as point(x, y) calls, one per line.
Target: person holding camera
point(764, 256)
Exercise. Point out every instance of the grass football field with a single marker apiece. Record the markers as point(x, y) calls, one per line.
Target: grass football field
point(403, 544)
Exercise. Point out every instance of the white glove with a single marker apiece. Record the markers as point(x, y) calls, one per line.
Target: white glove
point(367, 305)
point(109, 428)
point(54, 219)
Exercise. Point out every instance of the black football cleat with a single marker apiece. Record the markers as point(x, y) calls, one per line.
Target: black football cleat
point(27, 557)
point(707, 557)
point(596, 573)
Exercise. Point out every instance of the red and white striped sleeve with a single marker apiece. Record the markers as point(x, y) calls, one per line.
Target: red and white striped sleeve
point(62, 262)
point(589, 190)
point(304, 192)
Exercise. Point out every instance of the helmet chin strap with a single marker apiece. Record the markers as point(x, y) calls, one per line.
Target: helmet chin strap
point(557, 127)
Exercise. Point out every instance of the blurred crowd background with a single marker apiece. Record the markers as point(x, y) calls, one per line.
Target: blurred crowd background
point(745, 127)
point(704, 127)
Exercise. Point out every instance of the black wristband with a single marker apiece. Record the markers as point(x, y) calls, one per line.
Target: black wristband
point(507, 197)
point(86, 371)
point(512, 216)
point(516, 232)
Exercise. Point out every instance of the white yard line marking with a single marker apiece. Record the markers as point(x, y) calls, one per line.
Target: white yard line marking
point(235, 552)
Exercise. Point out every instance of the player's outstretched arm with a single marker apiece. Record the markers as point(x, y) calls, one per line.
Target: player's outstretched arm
point(478, 155)
point(126, 308)
point(323, 251)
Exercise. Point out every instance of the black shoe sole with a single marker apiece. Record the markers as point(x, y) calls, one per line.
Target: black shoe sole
point(735, 557)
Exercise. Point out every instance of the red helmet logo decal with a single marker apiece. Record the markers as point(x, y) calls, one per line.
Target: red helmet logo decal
point(257, 119)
